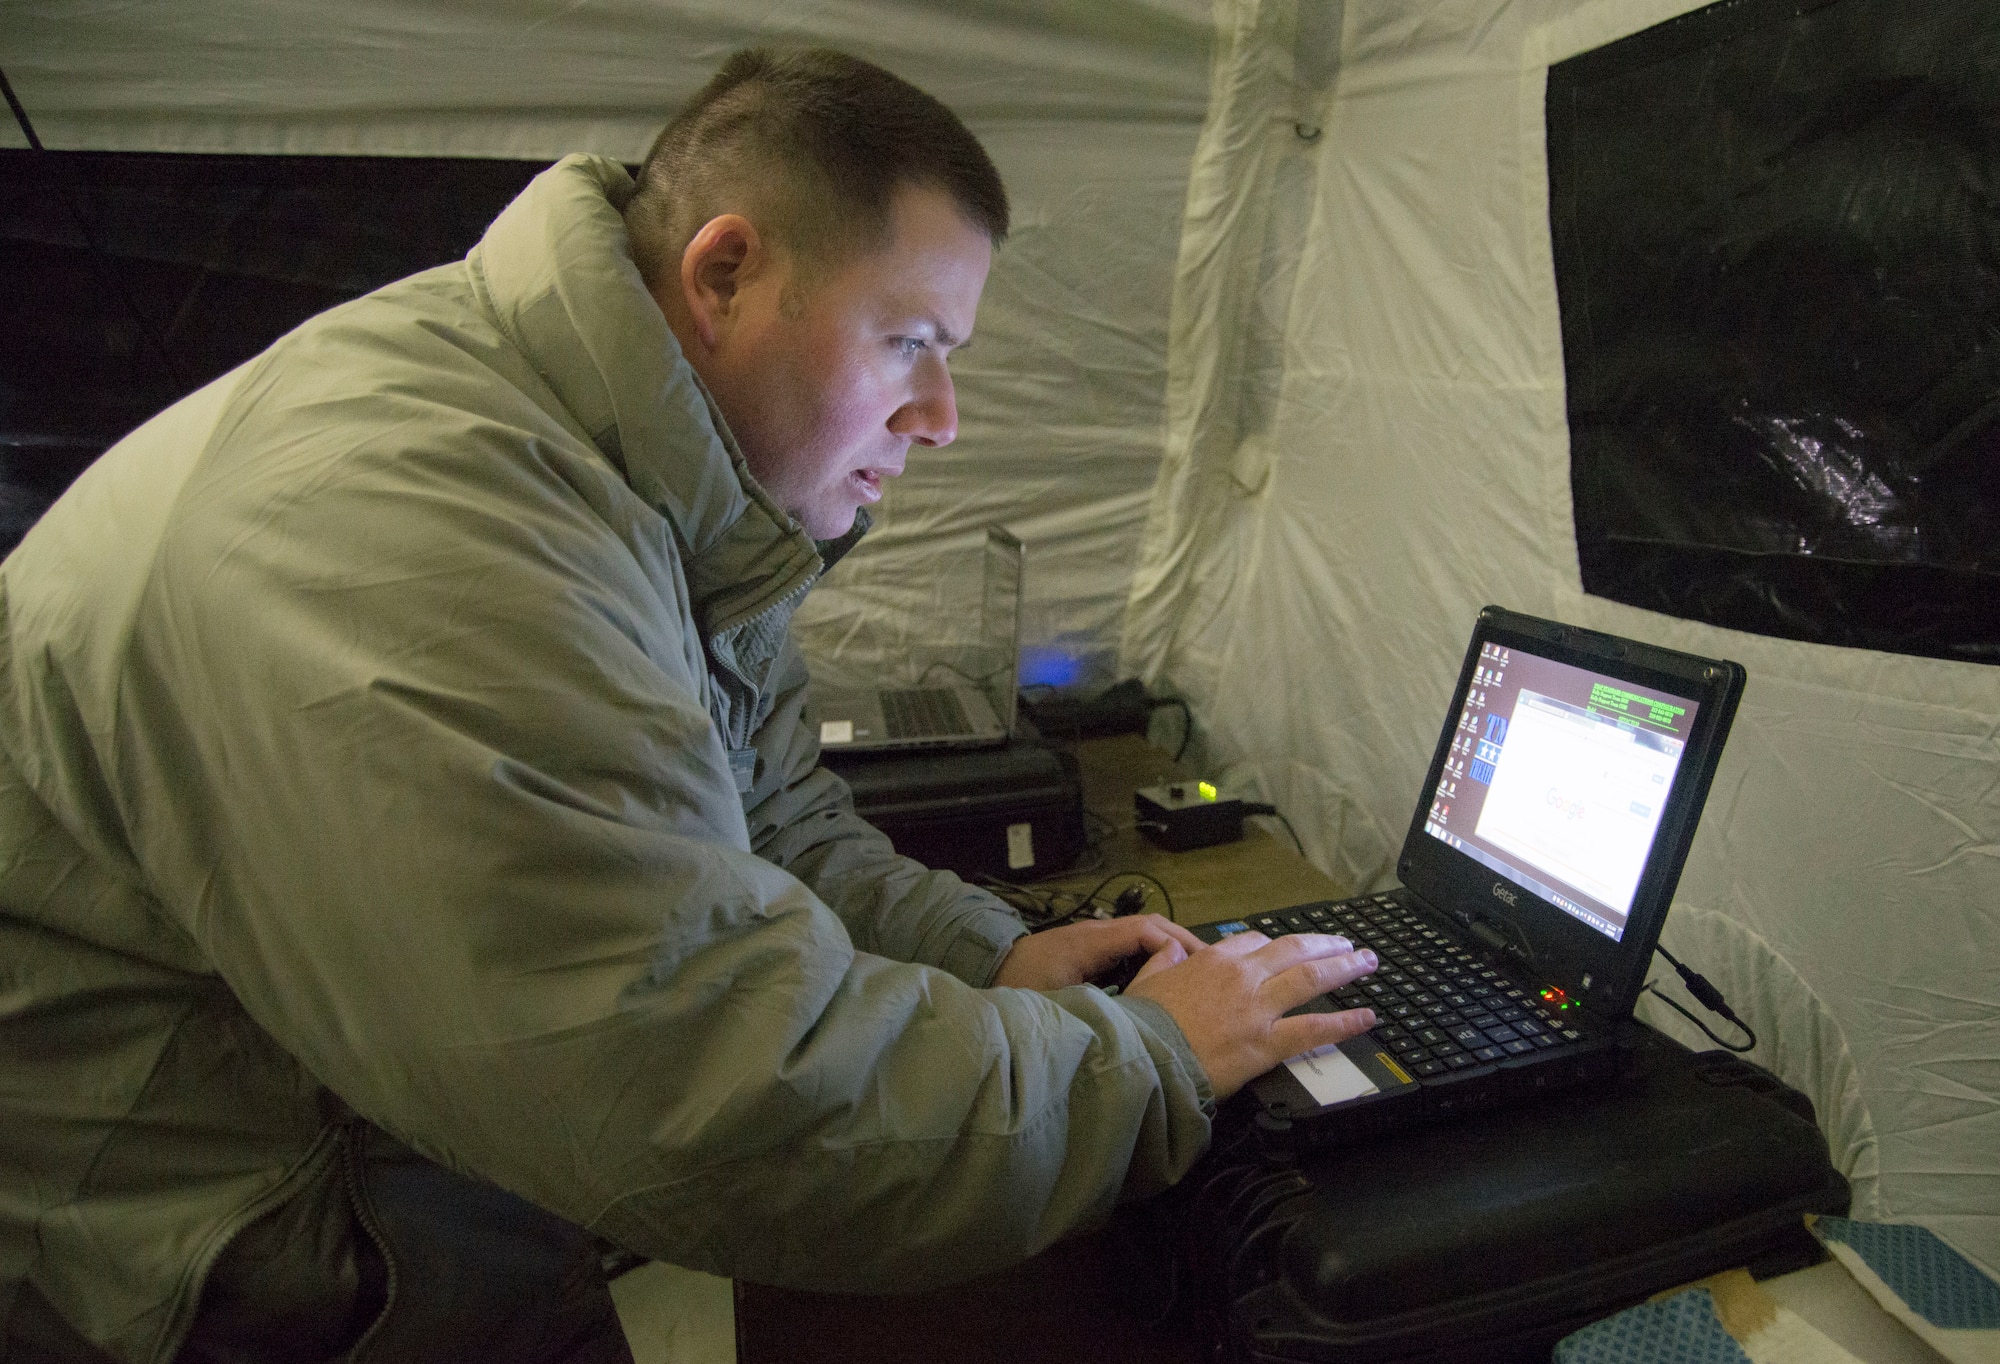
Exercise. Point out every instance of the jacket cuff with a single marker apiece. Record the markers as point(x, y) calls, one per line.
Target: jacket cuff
point(984, 938)
point(1156, 1020)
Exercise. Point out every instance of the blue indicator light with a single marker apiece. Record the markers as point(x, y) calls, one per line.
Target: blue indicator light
point(1045, 667)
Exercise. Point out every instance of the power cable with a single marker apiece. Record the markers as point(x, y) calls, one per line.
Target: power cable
point(1711, 999)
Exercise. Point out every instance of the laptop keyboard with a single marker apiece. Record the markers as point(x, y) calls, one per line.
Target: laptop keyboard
point(923, 711)
point(1440, 1007)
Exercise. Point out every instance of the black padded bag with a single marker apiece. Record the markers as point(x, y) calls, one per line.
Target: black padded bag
point(1492, 1237)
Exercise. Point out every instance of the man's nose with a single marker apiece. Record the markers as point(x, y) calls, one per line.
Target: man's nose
point(930, 417)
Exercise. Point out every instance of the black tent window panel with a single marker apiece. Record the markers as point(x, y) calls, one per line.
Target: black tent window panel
point(133, 279)
point(1777, 247)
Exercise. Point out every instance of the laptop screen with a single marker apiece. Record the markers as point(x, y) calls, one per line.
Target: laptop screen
point(1001, 590)
point(1556, 779)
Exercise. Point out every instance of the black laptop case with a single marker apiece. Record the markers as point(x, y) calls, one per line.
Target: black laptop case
point(1492, 1236)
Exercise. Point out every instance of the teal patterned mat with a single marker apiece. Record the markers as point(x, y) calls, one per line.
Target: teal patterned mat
point(1939, 1284)
point(1945, 1300)
point(1683, 1329)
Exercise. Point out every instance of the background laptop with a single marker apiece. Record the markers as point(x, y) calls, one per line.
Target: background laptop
point(965, 700)
point(1538, 869)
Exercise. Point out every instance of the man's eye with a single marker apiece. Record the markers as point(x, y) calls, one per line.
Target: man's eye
point(911, 346)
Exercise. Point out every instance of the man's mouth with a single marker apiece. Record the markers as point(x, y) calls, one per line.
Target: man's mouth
point(870, 481)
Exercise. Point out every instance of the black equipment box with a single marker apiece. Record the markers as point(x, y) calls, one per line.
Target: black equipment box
point(1013, 812)
point(1492, 1236)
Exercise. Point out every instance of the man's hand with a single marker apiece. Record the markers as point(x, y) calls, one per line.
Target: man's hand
point(1072, 954)
point(1230, 1000)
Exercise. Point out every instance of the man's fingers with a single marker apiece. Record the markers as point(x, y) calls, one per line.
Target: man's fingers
point(1240, 944)
point(1160, 931)
point(1101, 944)
point(1308, 1032)
point(1230, 1000)
point(1323, 975)
point(1283, 953)
point(1294, 985)
point(1170, 953)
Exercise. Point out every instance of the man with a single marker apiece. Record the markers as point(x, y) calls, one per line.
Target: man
point(415, 855)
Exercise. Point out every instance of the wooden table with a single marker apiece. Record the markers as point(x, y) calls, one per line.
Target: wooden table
point(1226, 881)
point(1066, 1304)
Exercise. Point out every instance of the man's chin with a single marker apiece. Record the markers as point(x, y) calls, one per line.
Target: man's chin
point(828, 524)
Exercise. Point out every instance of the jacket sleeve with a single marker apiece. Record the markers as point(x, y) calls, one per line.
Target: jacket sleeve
point(412, 743)
point(801, 816)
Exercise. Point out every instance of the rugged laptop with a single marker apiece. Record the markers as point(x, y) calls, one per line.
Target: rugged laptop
point(1537, 872)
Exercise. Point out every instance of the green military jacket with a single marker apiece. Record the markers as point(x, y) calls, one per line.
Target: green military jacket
point(411, 717)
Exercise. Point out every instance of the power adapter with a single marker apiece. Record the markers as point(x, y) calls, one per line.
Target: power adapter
point(1188, 814)
point(1130, 900)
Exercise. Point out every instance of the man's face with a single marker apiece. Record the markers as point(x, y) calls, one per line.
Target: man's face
point(827, 390)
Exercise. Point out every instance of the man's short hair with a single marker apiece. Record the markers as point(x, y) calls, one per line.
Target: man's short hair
point(812, 146)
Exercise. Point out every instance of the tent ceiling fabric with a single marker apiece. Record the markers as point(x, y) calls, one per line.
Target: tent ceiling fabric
point(538, 78)
point(1367, 442)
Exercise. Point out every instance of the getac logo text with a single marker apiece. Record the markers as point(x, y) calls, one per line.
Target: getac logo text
point(1501, 892)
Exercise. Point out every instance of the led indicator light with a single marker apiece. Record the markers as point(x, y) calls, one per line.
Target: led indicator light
point(1207, 790)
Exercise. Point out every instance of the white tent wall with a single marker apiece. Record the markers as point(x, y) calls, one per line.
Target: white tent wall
point(1367, 442)
point(1090, 111)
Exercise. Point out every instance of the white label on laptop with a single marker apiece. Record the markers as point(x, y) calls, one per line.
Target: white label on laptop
point(836, 731)
point(1329, 1076)
point(1020, 846)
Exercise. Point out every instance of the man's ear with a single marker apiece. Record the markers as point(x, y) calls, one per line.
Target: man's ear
point(720, 260)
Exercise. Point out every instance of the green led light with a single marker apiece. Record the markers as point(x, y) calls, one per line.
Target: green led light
point(1207, 790)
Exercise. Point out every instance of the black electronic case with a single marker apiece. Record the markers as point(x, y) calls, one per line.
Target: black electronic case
point(1014, 812)
point(1491, 1237)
